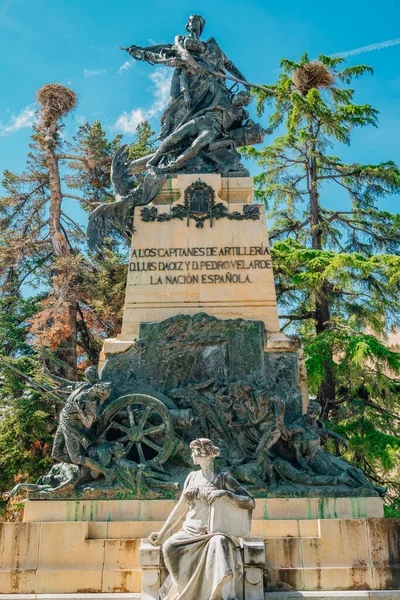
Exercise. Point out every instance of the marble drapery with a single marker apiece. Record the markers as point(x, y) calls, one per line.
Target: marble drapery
point(202, 565)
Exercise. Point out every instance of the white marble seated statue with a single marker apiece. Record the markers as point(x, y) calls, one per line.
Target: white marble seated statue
point(203, 564)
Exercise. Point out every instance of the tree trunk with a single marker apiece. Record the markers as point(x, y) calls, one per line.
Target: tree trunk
point(87, 342)
point(67, 351)
point(327, 389)
point(58, 241)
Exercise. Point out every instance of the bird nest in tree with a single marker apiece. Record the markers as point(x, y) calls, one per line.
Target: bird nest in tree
point(312, 75)
point(56, 99)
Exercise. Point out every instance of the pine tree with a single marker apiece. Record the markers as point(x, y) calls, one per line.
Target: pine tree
point(89, 164)
point(337, 271)
point(102, 285)
point(27, 417)
point(27, 424)
point(45, 268)
point(43, 245)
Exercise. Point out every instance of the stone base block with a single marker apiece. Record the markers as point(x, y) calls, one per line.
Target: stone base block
point(158, 510)
point(248, 292)
point(122, 580)
point(61, 580)
point(97, 510)
point(17, 581)
point(328, 595)
point(102, 556)
point(56, 557)
point(338, 578)
point(337, 595)
point(80, 596)
point(86, 582)
point(113, 346)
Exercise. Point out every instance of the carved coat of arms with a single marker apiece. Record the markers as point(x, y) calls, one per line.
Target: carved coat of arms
point(199, 198)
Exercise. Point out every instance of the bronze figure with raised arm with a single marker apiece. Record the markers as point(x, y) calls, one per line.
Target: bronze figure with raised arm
point(200, 127)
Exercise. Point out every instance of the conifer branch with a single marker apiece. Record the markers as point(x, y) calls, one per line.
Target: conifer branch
point(380, 409)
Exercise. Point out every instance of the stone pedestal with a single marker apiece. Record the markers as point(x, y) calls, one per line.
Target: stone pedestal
point(268, 510)
point(222, 268)
point(310, 546)
point(314, 545)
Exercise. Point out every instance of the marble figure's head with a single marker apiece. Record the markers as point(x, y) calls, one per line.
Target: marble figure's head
point(195, 24)
point(203, 448)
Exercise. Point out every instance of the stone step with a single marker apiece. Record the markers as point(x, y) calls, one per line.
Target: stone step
point(338, 595)
point(131, 530)
point(98, 596)
point(61, 557)
point(267, 509)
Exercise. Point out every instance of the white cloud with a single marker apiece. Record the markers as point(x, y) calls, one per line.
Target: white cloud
point(370, 48)
point(94, 72)
point(24, 119)
point(161, 80)
point(127, 122)
point(128, 64)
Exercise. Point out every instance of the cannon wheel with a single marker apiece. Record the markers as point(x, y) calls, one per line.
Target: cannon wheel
point(136, 434)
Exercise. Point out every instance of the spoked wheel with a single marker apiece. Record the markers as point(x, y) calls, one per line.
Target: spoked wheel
point(143, 425)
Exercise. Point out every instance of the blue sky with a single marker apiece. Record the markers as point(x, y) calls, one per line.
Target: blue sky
point(75, 42)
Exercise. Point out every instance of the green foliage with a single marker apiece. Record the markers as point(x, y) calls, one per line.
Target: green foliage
point(337, 270)
point(90, 174)
point(96, 284)
point(31, 313)
point(27, 422)
point(143, 142)
point(392, 510)
point(15, 315)
point(101, 301)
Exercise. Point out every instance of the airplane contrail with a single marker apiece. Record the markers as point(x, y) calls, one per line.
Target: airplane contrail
point(370, 48)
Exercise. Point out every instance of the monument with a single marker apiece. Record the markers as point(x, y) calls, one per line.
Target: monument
point(200, 357)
